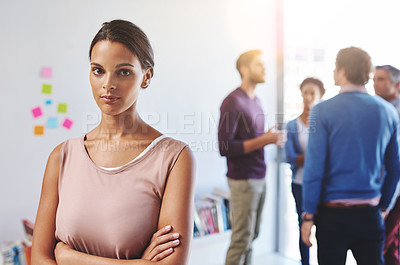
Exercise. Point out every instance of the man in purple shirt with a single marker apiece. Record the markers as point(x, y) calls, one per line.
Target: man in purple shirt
point(241, 138)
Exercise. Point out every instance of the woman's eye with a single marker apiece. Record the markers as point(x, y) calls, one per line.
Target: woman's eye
point(97, 71)
point(125, 72)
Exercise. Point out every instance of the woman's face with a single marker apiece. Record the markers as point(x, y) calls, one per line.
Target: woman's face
point(311, 94)
point(116, 77)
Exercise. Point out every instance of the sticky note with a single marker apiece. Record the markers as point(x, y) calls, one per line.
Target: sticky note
point(52, 122)
point(47, 88)
point(67, 124)
point(37, 112)
point(62, 107)
point(48, 102)
point(47, 72)
point(38, 130)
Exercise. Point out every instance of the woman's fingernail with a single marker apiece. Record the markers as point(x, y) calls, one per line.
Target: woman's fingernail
point(176, 241)
point(168, 227)
point(175, 235)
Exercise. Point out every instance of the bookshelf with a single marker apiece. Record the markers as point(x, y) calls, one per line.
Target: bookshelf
point(211, 210)
point(217, 244)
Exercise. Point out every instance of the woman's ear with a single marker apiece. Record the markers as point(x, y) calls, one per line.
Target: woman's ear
point(147, 77)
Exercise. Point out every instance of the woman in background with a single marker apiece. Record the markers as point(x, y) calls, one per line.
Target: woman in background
point(312, 90)
point(106, 194)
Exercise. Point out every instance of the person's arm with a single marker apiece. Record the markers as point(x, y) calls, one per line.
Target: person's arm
point(176, 210)
point(227, 129)
point(43, 234)
point(291, 155)
point(392, 166)
point(314, 169)
point(272, 136)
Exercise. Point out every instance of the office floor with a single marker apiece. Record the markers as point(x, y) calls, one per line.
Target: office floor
point(274, 259)
point(277, 259)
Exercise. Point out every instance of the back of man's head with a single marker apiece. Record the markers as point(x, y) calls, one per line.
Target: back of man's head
point(393, 72)
point(356, 64)
point(246, 58)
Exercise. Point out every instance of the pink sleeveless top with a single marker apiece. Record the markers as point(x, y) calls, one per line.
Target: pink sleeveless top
point(112, 213)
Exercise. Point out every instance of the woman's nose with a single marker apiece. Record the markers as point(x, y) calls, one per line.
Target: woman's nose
point(108, 83)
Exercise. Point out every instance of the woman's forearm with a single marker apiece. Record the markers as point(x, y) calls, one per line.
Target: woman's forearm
point(42, 261)
point(68, 256)
point(74, 257)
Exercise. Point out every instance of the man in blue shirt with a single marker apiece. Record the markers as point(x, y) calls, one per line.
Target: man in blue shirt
point(352, 137)
point(387, 85)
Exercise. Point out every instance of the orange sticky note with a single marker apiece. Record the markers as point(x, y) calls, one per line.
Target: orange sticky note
point(38, 130)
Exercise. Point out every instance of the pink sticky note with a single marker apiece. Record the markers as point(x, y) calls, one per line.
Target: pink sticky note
point(67, 124)
point(47, 72)
point(37, 112)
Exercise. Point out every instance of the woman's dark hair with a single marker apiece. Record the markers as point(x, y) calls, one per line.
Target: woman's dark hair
point(314, 81)
point(131, 36)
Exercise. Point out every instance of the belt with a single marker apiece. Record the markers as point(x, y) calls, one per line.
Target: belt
point(342, 205)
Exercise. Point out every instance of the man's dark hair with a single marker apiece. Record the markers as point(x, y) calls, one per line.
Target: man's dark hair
point(393, 72)
point(246, 58)
point(356, 64)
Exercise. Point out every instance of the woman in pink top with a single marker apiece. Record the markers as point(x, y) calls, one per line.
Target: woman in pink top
point(123, 193)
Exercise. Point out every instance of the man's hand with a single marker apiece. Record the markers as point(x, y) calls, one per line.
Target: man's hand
point(300, 160)
point(275, 136)
point(306, 230)
point(384, 214)
point(161, 245)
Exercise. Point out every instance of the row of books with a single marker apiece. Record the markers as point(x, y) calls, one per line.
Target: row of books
point(18, 252)
point(212, 213)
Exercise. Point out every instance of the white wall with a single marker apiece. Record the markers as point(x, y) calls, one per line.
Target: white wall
point(196, 44)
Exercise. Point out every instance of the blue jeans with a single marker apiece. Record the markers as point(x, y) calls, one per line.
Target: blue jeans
point(362, 230)
point(298, 198)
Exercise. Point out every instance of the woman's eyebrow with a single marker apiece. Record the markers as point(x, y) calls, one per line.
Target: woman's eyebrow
point(96, 64)
point(125, 64)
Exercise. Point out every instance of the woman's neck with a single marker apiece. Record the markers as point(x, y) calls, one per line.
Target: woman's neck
point(117, 126)
point(305, 115)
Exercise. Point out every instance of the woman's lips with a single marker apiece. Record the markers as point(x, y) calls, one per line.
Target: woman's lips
point(109, 99)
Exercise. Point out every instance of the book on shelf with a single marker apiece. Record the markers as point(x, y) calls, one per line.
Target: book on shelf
point(18, 252)
point(211, 214)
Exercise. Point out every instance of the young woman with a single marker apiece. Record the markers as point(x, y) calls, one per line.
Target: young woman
point(312, 90)
point(122, 193)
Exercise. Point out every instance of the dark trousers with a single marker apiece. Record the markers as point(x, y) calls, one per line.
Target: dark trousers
point(298, 198)
point(362, 230)
point(391, 250)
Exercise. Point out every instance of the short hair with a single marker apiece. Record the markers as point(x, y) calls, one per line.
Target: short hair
point(314, 81)
point(356, 64)
point(130, 35)
point(246, 58)
point(393, 72)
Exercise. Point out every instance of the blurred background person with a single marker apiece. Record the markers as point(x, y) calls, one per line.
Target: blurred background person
point(242, 137)
point(387, 85)
point(312, 90)
point(351, 138)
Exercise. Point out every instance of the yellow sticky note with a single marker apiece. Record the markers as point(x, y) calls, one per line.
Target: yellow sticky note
point(62, 107)
point(47, 88)
point(38, 130)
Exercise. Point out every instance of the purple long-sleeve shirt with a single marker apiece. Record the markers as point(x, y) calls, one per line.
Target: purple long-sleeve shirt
point(241, 118)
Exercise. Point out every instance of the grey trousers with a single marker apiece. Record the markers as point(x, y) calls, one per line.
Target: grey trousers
point(247, 201)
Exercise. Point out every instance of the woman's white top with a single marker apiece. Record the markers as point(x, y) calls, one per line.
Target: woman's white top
point(302, 131)
point(139, 156)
